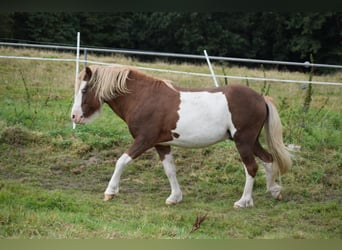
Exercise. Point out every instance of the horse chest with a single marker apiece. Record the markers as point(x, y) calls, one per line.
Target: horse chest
point(204, 119)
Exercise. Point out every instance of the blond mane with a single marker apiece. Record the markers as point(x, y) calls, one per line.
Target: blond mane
point(81, 76)
point(110, 81)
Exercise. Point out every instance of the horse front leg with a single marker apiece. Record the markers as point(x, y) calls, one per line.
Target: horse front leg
point(113, 185)
point(170, 171)
point(139, 146)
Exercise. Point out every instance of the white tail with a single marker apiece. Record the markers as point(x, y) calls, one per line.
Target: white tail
point(274, 137)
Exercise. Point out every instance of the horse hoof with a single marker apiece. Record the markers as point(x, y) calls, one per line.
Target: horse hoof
point(108, 197)
point(279, 197)
point(237, 207)
point(171, 203)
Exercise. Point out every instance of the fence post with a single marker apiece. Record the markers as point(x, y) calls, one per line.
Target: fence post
point(77, 67)
point(211, 69)
point(85, 57)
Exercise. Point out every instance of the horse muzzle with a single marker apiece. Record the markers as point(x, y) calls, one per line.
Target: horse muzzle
point(78, 118)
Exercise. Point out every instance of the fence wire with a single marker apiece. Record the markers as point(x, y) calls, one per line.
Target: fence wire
point(176, 71)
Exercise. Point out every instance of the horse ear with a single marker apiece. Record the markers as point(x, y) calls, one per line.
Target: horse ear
point(88, 74)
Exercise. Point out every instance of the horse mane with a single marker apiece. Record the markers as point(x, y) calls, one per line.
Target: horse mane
point(110, 81)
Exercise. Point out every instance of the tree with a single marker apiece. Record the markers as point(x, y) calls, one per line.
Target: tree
point(318, 34)
point(265, 35)
point(46, 27)
point(6, 26)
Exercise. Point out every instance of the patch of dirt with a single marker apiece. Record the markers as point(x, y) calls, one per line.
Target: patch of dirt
point(20, 137)
point(93, 160)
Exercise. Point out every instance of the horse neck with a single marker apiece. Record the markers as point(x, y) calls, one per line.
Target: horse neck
point(139, 91)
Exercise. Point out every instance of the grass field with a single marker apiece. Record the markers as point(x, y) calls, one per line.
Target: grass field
point(52, 178)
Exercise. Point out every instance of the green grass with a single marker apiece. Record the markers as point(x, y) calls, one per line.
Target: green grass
point(52, 178)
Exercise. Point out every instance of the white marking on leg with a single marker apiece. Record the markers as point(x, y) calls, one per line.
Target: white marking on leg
point(246, 199)
point(170, 171)
point(113, 185)
point(270, 180)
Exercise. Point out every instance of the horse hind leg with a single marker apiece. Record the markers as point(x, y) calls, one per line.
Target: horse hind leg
point(170, 171)
point(246, 199)
point(251, 167)
point(266, 160)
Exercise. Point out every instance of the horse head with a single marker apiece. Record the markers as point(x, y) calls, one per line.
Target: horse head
point(86, 103)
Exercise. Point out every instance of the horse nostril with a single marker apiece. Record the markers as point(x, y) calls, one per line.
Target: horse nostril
point(73, 117)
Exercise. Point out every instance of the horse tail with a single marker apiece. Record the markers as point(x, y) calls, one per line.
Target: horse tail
point(274, 137)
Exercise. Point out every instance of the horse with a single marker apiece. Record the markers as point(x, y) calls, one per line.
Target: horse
point(160, 115)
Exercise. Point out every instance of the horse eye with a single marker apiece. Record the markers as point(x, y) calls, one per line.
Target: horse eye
point(84, 91)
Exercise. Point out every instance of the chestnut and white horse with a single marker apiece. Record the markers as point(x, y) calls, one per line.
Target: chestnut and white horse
point(161, 115)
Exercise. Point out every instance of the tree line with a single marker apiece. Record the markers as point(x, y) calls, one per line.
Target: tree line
point(262, 35)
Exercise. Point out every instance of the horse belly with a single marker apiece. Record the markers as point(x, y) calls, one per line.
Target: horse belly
point(204, 119)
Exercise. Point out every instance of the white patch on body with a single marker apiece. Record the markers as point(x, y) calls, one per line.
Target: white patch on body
point(204, 119)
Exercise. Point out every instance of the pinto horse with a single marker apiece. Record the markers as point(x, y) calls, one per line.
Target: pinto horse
point(160, 115)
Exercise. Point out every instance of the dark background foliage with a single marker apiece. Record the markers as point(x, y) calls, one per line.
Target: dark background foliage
point(262, 35)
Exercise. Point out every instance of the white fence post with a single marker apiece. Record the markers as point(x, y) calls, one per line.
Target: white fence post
point(77, 67)
point(211, 69)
